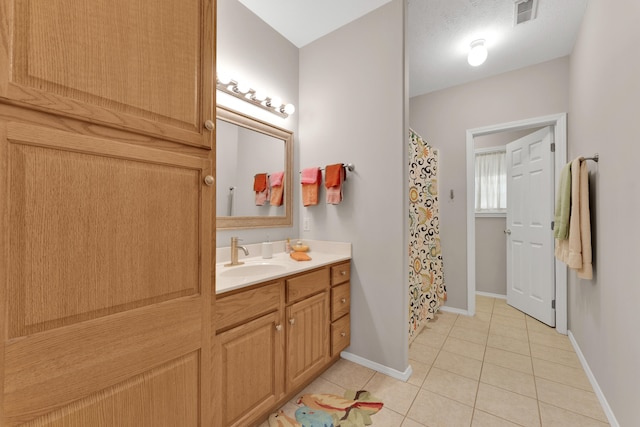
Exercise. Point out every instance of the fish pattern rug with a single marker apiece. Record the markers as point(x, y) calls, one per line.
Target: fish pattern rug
point(328, 410)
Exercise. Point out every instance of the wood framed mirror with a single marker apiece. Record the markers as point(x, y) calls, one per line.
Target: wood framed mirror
point(246, 146)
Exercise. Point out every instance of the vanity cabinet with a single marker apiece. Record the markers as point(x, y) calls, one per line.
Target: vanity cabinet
point(106, 218)
point(272, 339)
point(249, 355)
point(307, 323)
point(340, 307)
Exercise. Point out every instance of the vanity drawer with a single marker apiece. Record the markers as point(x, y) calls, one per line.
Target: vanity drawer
point(340, 301)
point(307, 284)
point(237, 308)
point(340, 273)
point(340, 334)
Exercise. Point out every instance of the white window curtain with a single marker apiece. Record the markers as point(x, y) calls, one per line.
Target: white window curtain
point(491, 182)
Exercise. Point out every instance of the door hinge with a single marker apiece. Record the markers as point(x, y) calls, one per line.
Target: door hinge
point(553, 147)
point(553, 304)
point(553, 223)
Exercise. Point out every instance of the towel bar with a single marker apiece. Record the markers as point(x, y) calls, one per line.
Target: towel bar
point(349, 166)
point(595, 158)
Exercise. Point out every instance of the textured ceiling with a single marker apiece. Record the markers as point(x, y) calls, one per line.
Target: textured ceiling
point(440, 31)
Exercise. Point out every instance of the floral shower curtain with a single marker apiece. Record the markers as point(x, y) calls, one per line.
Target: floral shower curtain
point(426, 277)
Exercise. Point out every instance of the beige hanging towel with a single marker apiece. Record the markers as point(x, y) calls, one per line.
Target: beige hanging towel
point(576, 250)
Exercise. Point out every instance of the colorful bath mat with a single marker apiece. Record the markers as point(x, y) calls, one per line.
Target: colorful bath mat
point(328, 410)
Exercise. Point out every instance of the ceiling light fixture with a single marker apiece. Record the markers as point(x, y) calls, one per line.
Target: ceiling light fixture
point(478, 53)
point(254, 96)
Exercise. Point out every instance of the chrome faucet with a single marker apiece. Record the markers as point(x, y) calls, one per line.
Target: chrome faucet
point(234, 252)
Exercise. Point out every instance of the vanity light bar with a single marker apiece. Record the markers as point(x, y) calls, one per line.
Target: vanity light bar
point(252, 96)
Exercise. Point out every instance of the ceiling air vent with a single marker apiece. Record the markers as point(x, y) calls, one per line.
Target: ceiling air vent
point(525, 10)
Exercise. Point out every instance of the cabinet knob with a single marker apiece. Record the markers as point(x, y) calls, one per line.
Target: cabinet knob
point(209, 180)
point(343, 334)
point(343, 273)
point(507, 231)
point(209, 125)
point(343, 300)
point(292, 321)
point(278, 327)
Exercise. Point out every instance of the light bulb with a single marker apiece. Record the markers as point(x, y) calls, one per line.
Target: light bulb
point(276, 102)
point(224, 79)
point(478, 53)
point(289, 109)
point(259, 96)
point(243, 87)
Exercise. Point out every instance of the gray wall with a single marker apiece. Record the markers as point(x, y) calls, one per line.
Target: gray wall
point(491, 256)
point(443, 117)
point(605, 118)
point(251, 51)
point(352, 95)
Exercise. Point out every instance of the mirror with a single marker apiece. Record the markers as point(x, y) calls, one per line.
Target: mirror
point(246, 146)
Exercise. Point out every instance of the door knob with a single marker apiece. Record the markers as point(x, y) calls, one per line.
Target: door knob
point(507, 231)
point(209, 180)
point(209, 125)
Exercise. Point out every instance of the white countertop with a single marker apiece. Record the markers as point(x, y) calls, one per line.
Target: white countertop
point(280, 264)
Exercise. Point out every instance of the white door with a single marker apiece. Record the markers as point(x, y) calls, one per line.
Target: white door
point(530, 244)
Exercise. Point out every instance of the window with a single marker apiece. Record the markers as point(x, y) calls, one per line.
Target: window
point(491, 181)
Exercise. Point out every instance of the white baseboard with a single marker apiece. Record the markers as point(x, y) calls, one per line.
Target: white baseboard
point(594, 383)
point(453, 310)
point(402, 376)
point(490, 295)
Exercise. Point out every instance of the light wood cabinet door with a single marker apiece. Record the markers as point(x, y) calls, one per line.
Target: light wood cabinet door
point(138, 65)
point(105, 285)
point(250, 361)
point(307, 338)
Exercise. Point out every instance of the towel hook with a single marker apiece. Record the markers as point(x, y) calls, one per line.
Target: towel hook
point(595, 158)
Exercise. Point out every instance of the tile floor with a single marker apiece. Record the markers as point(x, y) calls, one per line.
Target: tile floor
point(498, 368)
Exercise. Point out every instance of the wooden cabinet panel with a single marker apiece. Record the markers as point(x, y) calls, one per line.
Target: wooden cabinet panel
point(134, 64)
point(307, 284)
point(340, 273)
point(340, 301)
point(105, 278)
point(340, 334)
point(307, 339)
point(250, 359)
point(174, 387)
point(234, 309)
point(96, 230)
point(57, 367)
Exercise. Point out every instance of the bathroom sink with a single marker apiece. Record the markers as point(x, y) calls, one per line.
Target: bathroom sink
point(246, 270)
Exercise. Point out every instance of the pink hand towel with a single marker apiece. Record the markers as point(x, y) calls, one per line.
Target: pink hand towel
point(276, 178)
point(310, 179)
point(310, 175)
point(277, 188)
